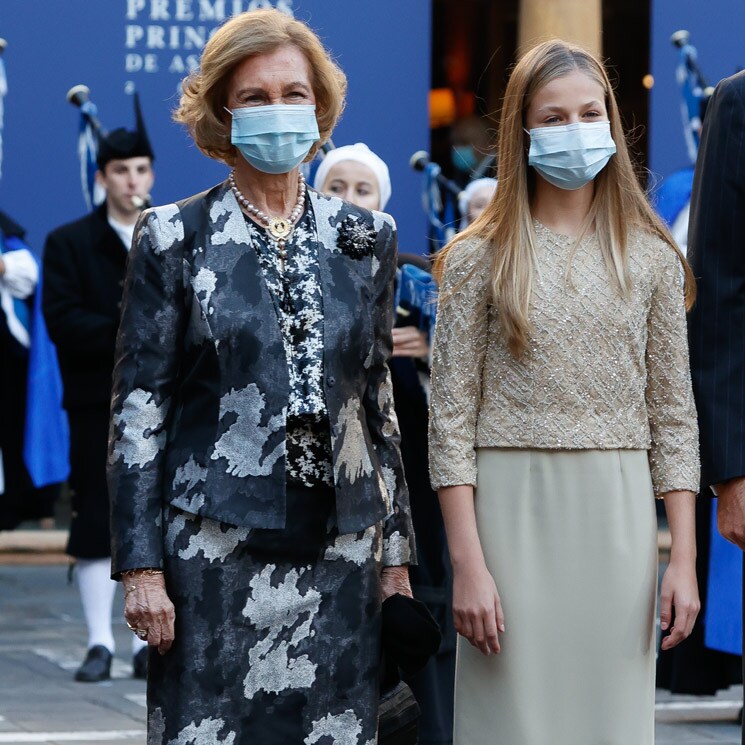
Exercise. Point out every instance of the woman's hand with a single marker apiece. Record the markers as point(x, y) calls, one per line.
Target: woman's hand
point(147, 607)
point(409, 341)
point(679, 593)
point(477, 608)
point(731, 510)
point(395, 580)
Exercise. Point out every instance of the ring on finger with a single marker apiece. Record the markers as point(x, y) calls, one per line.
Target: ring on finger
point(141, 633)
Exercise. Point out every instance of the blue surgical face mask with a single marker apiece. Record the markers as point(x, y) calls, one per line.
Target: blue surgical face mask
point(274, 139)
point(464, 158)
point(571, 155)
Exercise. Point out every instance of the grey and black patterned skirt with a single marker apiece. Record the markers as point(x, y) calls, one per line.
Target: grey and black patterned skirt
point(277, 632)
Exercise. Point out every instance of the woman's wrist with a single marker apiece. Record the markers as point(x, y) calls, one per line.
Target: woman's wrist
point(680, 506)
point(468, 560)
point(399, 572)
point(681, 555)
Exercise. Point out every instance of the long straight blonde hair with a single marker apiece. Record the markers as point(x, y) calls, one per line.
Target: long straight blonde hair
point(506, 226)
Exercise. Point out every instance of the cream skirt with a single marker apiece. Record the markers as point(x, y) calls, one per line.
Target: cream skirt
point(570, 539)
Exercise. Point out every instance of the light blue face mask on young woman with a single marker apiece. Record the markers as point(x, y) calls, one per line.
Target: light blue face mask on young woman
point(277, 138)
point(571, 155)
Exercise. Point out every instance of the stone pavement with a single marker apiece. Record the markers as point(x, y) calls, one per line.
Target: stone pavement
point(42, 641)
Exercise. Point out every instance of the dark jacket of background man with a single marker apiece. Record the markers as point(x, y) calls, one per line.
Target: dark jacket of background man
point(717, 322)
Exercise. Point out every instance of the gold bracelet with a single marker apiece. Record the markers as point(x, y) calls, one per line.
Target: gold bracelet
point(129, 590)
point(142, 572)
point(133, 573)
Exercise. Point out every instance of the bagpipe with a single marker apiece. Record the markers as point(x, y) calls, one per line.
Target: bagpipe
point(439, 199)
point(672, 196)
point(694, 89)
point(415, 299)
point(92, 134)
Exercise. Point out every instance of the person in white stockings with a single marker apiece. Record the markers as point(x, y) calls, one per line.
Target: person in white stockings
point(84, 265)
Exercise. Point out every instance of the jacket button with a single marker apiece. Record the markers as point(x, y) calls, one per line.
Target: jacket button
point(331, 380)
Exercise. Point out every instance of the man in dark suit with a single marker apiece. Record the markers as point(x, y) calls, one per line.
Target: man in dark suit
point(84, 265)
point(717, 323)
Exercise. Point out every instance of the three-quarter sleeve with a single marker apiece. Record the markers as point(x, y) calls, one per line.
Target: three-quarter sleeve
point(674, 455)
point(148, 351)
point(398, 531)
point(460, 342)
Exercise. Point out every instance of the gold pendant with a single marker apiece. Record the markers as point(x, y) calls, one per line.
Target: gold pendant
point(279, 227)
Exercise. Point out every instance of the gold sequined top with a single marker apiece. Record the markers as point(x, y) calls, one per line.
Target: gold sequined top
point(601, 372)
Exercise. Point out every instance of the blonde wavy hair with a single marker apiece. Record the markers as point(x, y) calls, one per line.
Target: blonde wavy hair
point(505, 227)
point(204, 91)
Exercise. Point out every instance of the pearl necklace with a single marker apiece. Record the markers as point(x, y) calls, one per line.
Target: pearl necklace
point(280, 228)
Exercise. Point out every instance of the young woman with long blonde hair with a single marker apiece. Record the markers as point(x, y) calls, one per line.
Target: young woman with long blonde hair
point(561, 403)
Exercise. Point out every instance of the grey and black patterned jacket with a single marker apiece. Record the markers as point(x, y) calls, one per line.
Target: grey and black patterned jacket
point(201, 383)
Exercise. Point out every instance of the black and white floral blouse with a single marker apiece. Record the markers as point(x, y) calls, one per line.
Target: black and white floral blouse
point(298, 301)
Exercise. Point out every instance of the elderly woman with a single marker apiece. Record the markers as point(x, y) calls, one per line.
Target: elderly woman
point(259, 508)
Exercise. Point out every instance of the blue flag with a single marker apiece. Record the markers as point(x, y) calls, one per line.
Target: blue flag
point(47, 437)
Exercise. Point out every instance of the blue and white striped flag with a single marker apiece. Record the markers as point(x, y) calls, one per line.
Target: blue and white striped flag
point(692, 94)
point(88, 152)
point(441, 215)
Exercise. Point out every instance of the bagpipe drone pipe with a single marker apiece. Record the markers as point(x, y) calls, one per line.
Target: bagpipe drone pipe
point(439, 199)
point(695, 91)
point(91, 132)
point(673, 195)
point(92, 135)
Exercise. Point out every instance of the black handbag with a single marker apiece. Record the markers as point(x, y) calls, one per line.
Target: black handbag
point(410, 636)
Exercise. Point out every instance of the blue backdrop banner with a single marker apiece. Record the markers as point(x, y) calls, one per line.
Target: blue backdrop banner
point(113, 45)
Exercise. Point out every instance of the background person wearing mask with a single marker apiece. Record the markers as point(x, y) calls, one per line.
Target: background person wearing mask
point(472, 151)
point(355, 173)
point(84, 266)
